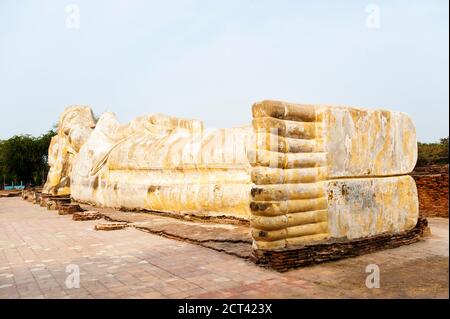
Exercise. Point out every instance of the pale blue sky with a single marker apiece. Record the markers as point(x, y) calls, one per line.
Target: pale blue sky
point(212, 59)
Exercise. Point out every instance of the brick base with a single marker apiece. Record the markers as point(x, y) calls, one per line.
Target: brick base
point(283, 260)
point(432, 188)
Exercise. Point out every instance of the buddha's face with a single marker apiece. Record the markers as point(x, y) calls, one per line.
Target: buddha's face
point(74, 128)
point(76, 124)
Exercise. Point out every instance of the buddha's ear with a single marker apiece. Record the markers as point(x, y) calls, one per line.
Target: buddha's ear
point(66, 131)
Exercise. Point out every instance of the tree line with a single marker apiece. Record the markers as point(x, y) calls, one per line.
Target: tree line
point(433, 153)
point(23, 159)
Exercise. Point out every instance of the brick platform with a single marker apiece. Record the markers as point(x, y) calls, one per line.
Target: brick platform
point(283, 260)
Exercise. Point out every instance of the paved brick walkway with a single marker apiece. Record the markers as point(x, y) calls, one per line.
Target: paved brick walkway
point(234, 239)
point(37, 245)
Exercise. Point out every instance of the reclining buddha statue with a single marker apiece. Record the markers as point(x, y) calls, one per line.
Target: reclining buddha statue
point(299, 173)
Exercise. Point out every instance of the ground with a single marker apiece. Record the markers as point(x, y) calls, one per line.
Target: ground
point(37, 245)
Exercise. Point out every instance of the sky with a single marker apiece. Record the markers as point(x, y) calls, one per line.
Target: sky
point(212, 59)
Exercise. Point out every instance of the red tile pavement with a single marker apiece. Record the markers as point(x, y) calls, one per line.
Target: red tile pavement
point(37, 246)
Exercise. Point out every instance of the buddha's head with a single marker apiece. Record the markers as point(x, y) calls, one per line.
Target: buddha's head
point(74, 128)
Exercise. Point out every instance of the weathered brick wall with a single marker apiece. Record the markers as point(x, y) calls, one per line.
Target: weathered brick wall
point(432, 186)
point(288, 258)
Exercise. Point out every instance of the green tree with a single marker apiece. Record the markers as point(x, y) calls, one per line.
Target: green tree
point(23, 158)
point(433, 153)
